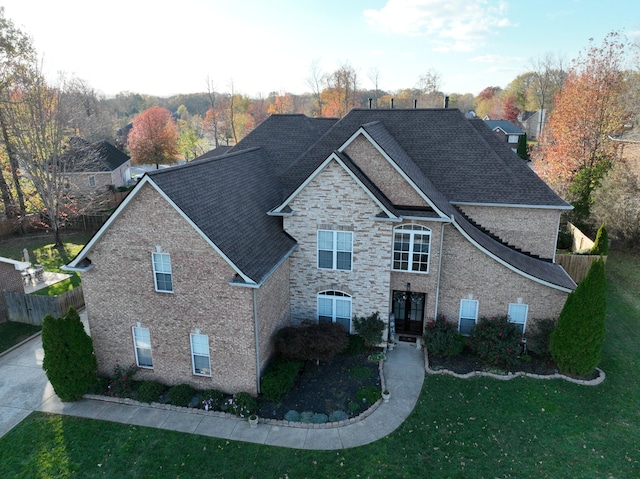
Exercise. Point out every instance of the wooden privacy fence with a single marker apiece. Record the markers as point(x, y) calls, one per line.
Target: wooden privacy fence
point(31, 309)
point(577, 265)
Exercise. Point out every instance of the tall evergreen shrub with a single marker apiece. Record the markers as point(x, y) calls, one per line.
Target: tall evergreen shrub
point(69, 361)
point(576, 342)
point(601, 244)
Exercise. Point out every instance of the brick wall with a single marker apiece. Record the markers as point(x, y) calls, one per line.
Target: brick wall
point(333, 200)
point(531, 229)
point(468, 271)
point(383, 175)
point(119, 292)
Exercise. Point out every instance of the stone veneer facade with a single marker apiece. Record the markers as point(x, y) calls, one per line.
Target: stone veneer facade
point(202, 299)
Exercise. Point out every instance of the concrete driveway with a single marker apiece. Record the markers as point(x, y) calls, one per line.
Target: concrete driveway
point(23, 384)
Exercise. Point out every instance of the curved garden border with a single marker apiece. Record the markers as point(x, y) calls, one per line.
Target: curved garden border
point(505, 377)
point(269, 421)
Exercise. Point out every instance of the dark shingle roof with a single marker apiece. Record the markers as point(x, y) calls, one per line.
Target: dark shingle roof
point(227, 198)
point(82, 156)
point(505, 125)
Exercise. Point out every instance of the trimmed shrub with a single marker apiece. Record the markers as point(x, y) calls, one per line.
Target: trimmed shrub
point(356, 345)
point(601, 244)
point(306, 416)
point(312, 342)
point(242, 404)
point(442, 339)
point(181, 395)
point(319, 418)
point(496, 341)
point(121, 382)
point(292, 415)
point(212, 399)
point(576, 342)
point(368, 394)
point(149, 391)
point(539, 336)
point(279, 379)
point(370, 328)
point(337, 416)
point(69, 361)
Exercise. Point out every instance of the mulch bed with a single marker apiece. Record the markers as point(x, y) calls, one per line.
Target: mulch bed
point(327, 387)
point(466, 362)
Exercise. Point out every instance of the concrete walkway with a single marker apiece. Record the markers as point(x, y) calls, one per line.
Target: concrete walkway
point(24, 388)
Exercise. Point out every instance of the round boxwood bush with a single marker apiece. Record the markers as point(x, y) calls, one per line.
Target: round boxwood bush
point(212, 399)
point(337, 416)
point(293, 416)
point(319, 418)
point(181, 395)
point(242, 404)
point(149, 391)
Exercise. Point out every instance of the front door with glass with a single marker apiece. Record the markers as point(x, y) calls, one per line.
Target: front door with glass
point(408, 310)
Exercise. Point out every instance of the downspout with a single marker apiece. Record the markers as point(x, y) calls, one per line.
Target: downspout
point(257, 336)
point(435, 312)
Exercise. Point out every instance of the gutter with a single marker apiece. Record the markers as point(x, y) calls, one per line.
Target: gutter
point(257, 338)
point(435, 312)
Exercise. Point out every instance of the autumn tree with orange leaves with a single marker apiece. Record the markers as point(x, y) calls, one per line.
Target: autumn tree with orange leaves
point(154, 138)
point(575, 150)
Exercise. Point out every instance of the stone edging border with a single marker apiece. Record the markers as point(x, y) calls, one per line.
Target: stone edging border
point(506, 377)
point(268, 421)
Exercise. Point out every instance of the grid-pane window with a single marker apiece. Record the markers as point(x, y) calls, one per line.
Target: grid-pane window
point(200, 354)
point(335, 249)
point(411, 246)
point(162, 272)
point(142, 347)
point(468, 316)
point(335, 307)
point(518, 315)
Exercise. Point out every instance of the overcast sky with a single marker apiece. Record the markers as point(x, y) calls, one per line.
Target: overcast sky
point(162, 48)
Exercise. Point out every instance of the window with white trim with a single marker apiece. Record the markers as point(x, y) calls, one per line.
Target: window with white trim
point(468, 316)
point(513, 138)
point(162, 272)
point(335, 307)
point(411, 246)
point(200, 354)
point(518, 315)
point(142, 347)
point(335, 249)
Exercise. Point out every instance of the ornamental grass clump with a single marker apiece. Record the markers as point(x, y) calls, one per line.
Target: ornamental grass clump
point(496, 341)
point(442, 339)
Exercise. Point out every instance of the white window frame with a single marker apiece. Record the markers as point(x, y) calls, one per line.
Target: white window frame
point(201, 350)
point(162, 267)
point(515, 318)
point(463, 314)
point(141, 334)
point(92, 181)
point(412, 230)
point(337, 248)
point(337, 301)
point(513, 138)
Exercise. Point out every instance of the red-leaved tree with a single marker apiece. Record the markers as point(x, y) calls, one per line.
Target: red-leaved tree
point(154, 138)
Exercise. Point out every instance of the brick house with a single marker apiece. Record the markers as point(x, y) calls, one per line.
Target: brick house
point(412, 213)
point(507, 132)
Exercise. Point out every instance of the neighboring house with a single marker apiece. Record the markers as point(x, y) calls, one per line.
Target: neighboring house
point(10, 280)
point(507, 132)
point(533, 122)
point(95, 167)
point(310, 219)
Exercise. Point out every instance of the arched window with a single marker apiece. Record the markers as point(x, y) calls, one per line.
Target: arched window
point(411, 245)
point(335, 307)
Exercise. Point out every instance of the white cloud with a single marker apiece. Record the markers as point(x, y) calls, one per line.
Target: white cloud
point(454, 25)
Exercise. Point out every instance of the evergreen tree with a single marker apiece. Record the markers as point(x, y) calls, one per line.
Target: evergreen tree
point(601, 244)
point(69, 361)
point(576, 342)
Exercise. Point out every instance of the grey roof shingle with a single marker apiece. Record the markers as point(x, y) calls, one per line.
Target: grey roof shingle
point(228, 197)
point(505, 125)
point(82, 156)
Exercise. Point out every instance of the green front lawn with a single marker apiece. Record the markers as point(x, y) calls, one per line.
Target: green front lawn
point(12, 333)
point(478, 428)
point(41, 251)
